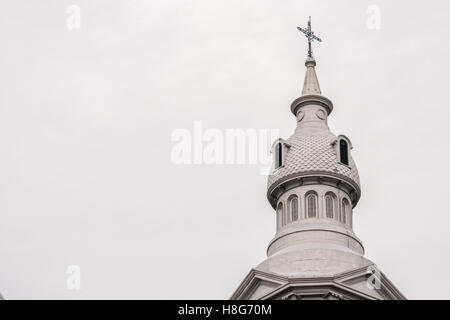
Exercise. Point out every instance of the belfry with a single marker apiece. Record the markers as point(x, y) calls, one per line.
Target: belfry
point(314, 188)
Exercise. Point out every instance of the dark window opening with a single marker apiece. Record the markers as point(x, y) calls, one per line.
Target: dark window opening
point(343, 150)
point(278, 155)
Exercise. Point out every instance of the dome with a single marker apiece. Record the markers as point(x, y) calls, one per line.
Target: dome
point(313, 153)
point(314, 262)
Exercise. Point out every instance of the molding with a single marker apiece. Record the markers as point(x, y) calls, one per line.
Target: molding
point(278, 237)
point(252, 279)
point(315, 287)
point(338, 180)
point(311, 99)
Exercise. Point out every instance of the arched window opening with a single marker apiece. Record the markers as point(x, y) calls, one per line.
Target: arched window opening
point(288, 216)
point(279, 215)
point(311, 204)
point(283, 216)
point(345, 210)
point(329, 206)
point(350, 218)
point(343, 151)
point(278, 155)
point(293, 204)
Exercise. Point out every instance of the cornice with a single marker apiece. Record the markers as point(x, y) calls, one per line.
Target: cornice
point(294, 180)
point(306, 229)
point(311, 99)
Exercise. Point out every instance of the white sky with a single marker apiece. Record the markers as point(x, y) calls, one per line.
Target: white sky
point(86, 118)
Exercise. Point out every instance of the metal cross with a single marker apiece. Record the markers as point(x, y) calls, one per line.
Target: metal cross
point(310, 35)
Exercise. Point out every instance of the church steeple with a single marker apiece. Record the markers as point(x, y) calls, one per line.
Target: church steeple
point(313, 188)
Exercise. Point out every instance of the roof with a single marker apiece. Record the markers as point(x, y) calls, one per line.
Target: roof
point(313, 262)
point(311, 152)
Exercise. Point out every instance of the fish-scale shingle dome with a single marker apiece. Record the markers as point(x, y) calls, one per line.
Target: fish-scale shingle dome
point(313, 153)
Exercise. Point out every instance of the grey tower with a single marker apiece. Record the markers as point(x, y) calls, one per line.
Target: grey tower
point(313, 188)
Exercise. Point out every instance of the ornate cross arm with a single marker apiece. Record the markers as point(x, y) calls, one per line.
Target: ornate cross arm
point(310, 35)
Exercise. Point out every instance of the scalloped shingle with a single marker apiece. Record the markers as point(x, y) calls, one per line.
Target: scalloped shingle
point(313, 152)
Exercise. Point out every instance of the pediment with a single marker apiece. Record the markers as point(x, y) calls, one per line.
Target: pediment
point(353, 284)
point(257, 284)
point(370, 281)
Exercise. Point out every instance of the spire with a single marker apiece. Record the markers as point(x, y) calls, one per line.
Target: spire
point(311, 93)
point(311, 84)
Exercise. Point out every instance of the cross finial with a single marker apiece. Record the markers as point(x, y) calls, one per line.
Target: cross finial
point(310, 35)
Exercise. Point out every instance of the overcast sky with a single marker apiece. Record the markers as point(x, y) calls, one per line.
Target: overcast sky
point(86, 118)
